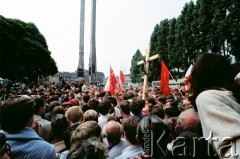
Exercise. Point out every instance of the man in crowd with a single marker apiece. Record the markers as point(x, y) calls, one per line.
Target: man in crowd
point(45, 130)
point(130, 131)
point(113, 133)
point(16, 117)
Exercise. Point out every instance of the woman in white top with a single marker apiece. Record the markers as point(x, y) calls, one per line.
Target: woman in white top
point(217, 98)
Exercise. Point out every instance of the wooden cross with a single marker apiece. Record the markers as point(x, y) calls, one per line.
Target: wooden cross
point(146, 62)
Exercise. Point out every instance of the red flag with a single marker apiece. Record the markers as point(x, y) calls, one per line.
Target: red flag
point(110, 86)
point(164, 85)
point(113, 82)
point(121, 81)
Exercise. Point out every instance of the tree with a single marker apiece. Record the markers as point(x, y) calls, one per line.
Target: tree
point(207, 26)
point(233, 16)
point(187, 35)
point(205, 22)
point(171, 40)
point(136, 71)
point(24, 51)
point(159, 45)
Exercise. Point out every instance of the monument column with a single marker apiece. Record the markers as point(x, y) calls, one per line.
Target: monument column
point(92, 58)
point(80, 70)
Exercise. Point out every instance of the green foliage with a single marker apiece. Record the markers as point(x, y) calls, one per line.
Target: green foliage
point(159, 44)
point(136, 71)
point(24, 51)
point(207, 26)
point(233, 18)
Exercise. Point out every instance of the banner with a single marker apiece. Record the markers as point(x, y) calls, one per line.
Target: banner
point(164, 84)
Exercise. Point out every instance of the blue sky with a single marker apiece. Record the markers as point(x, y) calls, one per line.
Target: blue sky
point(122, 27)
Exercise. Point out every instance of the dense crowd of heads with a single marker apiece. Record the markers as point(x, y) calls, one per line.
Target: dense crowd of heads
point(82, 121)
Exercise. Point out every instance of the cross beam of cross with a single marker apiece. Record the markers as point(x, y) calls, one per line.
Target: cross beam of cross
point(146, 63)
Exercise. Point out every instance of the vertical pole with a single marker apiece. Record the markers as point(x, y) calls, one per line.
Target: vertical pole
point(80, 70)
point(92, 59)
point(146, 74)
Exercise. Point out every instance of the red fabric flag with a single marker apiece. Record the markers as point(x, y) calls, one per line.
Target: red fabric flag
point(164, 85)
point(121, 81)
point(113, 82)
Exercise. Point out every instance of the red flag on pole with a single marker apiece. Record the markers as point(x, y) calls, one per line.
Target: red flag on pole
point(164, 85)
point(113, 82)
point(121, 81)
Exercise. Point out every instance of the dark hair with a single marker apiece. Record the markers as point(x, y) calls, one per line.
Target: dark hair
point(15, 113)
point(87, 149)
point(86, 98)
point(112, 99)
point(130, 128)
point(104, 107)
point(39, 103)
point(141, 103)
point(153, 127)
point(85, 107)
point(162, 99)
point(4, 147)
point(67, 134)
point(172, 112)
point(213, 71)
point(124, 107)
point(126, 96)
point(136, 107)
point(94, 104)
point(59, 124)
point(158, 111)
point(152, 101)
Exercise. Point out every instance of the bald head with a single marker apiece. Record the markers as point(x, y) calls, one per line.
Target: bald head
point(189, 117)
point(188, 120)
point(113, 132)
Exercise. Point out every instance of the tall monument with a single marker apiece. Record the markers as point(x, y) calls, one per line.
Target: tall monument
point(92, 57)
point(80, 70)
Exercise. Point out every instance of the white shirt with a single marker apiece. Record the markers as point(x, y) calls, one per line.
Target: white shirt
point(102, 120)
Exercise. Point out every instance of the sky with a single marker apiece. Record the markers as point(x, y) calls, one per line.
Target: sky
point(122, 27)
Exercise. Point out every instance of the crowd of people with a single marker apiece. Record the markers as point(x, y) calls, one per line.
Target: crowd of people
point(81, 121)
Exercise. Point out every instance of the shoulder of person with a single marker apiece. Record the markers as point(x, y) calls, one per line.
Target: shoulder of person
point(214, 93)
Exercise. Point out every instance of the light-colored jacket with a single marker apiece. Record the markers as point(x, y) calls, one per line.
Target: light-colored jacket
point(219, 113)
point(45, 130)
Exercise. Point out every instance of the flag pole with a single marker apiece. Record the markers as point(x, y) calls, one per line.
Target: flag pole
point(176, 83)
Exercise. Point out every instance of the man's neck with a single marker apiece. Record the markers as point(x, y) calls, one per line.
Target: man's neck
point(111, 144)
point(129, 143)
